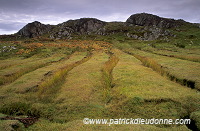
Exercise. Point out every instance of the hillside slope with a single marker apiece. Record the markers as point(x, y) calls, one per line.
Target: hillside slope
point(141, 26)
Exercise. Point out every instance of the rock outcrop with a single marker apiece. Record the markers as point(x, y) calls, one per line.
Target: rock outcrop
point(141, 26)
point(87, 25)
point(34, 29)
point(144, 19)
point(154, 27)
point(79, 26)
point(150, 33)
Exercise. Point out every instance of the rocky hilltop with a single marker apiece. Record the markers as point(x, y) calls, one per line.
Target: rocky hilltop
point(145, 19)
point(34, 29)
point(141, 26)
point(79, 26)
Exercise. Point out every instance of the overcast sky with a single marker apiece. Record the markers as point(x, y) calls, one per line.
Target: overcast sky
point(14, 14)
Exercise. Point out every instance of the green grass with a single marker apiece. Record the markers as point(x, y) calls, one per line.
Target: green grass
point(52, 84)
point(161, 47)
point(185, 54)
point(10, 125)
point(151, 63)
point(107, 78)
point(195, 116)
point(31, 80)
point(81, 94)
point(107, 84)
point(141, 92)
point(180, 69)
point(15, 61)
point(9, 75)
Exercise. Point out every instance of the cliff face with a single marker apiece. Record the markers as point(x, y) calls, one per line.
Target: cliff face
point(34, 29)
point(145, 19)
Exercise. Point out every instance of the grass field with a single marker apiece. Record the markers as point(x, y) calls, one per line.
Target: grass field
point(182, 69)
point(62, 83)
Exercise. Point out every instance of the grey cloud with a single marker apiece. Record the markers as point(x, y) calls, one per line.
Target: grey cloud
point(57, 11)
point(12, 27)
point(9, 26)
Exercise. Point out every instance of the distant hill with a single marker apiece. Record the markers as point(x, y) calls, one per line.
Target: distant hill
point(140, 26)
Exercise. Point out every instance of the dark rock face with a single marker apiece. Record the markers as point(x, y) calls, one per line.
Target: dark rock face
point(79, 26)
point(86, 25)
point(33, 29)
point(154, 27)
point(145, 19)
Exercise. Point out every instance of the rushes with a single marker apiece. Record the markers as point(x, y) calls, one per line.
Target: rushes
point(183, 57)
point(12, 77)
point(54, 80)
point(19, 70)
point(107, 70)
point(53, 83)
point(148, 62)
point(107, 75)
point(5, 66)
point(190, 58)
